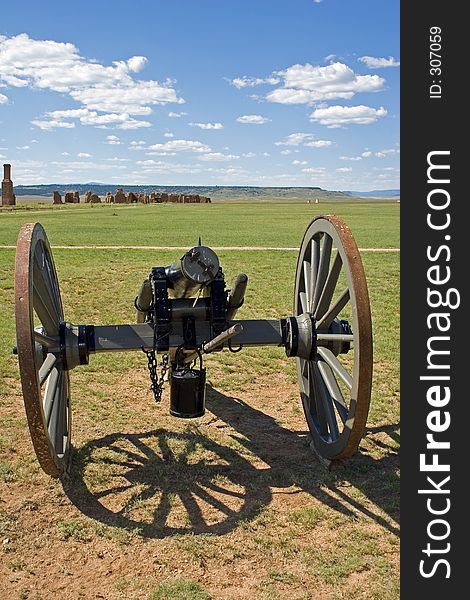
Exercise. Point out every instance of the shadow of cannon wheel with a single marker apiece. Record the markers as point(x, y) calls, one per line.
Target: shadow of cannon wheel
point(162, 483)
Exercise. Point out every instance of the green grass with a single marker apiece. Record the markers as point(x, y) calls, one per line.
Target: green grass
point(272, 225)
point(72, 529)
point(180, 589)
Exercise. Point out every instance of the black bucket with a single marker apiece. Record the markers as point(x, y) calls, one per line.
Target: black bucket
point(188, 391)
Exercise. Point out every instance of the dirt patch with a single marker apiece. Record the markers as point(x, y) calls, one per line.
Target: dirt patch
point(234, 501)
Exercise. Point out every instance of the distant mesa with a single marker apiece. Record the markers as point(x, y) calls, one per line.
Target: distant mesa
point(8, 194)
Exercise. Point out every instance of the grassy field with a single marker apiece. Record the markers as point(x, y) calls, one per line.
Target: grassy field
point(233, 505)
point(374, 224)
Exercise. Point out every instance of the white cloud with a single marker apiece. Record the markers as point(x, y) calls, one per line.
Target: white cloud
point(207, 125)
point(83, 155)
point(242, 82)
point(315, 170)
point(338, 116)
point(177, 115)
point(59, 67)
point(307, 84)
point(65, 153)
point(344, 170)
point(89, 117)
point(86, 165)
point(3, 99)
point(295, 139)
point(152, 166)
point(133, 124)
point(22, 147)
point(285, 152)
point(218, 156)
point(350, 158)
point(113, 140)
point(369, 154)
point(181, 146)
point(387, 152)
point(253, 119)
point(299, 162)
point(136, 63)
point(303, 139)
point(117, 159)
point(164, 153)
point(379, 63)
point(52, 124)
point(168, 135)
point(318, 144)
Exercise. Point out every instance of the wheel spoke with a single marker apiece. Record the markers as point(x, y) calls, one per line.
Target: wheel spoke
point(56, 421)
point(45, 299)
point(316, 402)
point(50, 392)
point(304, 301)
point(307, 270)
point(46, 367)
point(45, 340)
point(322, 269)
point(43, 261)
point(334, 389)
point(314, 262)
point(47, 316)
point(62, 425)
point(329, 287)
point(326, 400)
point(328, 356)
point(334, 311)
point(304, 373)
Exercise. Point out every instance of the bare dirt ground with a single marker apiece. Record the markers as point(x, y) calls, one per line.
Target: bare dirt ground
point(234, 502)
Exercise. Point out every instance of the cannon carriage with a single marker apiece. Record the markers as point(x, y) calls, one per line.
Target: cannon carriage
point(185, 311)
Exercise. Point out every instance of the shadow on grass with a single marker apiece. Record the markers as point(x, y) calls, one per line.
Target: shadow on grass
point(155, 482)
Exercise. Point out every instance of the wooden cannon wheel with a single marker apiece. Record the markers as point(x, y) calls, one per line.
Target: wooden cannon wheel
point(335, 385)
point(44, 377)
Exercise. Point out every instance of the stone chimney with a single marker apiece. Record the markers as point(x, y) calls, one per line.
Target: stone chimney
point(8, 196)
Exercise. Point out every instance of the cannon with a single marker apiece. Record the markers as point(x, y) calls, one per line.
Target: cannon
point(185, 311)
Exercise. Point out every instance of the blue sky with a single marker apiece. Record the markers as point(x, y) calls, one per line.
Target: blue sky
point(201, 92)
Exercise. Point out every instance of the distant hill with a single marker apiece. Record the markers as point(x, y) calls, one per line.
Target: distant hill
point(375, 194)
point(226, 193)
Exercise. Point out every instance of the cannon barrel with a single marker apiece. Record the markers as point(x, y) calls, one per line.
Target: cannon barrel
point(196, 269)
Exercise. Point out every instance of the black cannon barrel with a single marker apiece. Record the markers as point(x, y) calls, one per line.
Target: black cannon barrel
point(196, 269)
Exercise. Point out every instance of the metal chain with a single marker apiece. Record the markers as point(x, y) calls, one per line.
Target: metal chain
point(157, 382)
